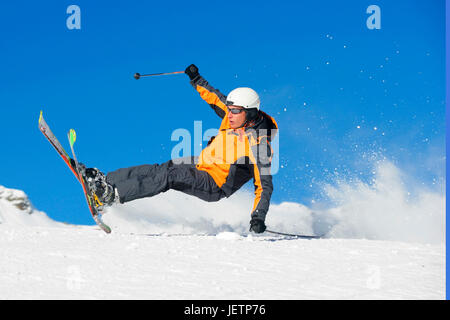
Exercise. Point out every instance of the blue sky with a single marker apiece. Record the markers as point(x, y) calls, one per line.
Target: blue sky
point(342, 94)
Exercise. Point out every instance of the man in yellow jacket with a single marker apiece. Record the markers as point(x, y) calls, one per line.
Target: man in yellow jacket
point(240, 151)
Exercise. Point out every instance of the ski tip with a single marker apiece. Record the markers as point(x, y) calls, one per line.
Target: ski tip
point(72, 136)
point(40, 117)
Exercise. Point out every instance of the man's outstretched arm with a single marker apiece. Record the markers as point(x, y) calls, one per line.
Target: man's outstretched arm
point(212, 96)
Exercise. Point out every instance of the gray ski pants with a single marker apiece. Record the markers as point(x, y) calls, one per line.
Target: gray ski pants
point(149, 180)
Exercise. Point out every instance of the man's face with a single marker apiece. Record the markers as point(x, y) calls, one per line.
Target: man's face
point(236, 120)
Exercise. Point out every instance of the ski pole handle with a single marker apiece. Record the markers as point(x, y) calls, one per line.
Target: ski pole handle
point(137, 75)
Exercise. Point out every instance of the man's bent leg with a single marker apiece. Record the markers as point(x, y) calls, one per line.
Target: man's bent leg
point(149, 180)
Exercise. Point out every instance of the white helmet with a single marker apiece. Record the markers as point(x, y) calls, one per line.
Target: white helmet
point(243, 97)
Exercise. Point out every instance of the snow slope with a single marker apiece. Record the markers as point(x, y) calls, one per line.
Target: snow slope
point(177, 247)
point(85, 263)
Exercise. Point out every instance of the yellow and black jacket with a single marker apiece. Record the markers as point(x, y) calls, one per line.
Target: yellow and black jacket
point(235, 156)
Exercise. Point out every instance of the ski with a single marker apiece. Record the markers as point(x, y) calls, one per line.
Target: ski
point(92, 200)
point(76, 169)
point(45, 129)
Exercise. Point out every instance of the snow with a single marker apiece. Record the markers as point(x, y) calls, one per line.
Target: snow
point(384, 240)
point(85, 263)
point(390, 208)
point(16, 208)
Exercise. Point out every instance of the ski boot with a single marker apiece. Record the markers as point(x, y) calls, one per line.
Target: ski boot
point(105, 193)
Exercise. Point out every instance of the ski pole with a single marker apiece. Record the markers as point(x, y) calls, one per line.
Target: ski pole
point(137, 75)
point(294, 235)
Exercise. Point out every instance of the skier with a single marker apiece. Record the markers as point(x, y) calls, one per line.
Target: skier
point(240, 151)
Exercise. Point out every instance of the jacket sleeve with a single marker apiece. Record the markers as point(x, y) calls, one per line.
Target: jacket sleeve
point(261, 156)
point(212, 96)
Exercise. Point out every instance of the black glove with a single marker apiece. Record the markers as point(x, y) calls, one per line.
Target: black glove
point(192, 72)
point(257, 225)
